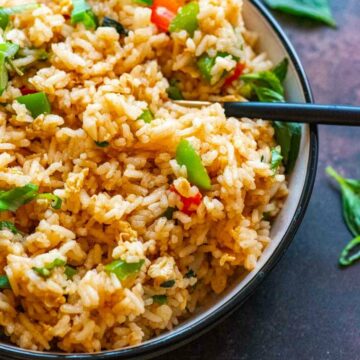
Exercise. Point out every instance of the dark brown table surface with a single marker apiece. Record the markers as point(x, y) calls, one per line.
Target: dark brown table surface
point(307, 308)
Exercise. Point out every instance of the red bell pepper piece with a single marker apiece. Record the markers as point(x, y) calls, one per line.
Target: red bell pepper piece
point(240, 67)
point(25, 91)
point(163, 12)
point(190, 204)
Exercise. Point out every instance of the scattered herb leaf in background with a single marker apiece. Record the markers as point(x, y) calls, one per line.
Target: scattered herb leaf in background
point(318, 10)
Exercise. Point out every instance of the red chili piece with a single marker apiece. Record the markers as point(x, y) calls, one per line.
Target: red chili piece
point(240, 67)
point(163, 12)
point(26, 91)
point(190, 204)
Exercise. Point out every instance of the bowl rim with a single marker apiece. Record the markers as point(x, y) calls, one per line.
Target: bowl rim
point(192, 331)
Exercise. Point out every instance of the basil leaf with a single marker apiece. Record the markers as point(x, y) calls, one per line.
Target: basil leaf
point(82, 13)
point(160, 299)
point(45, 271)
point(122, 269)
point(108, 22)
point(173, 91)
point(11, 200)
point(9, 49)
point(276, 159)
point(267, 95)
point(168, 284)
point(6, 12)
point(318, 10)
point(350, 190)
point(351, 253)
point(4, 282)
point(281, 69)
point(4, 78)
point(8, 225)
point(102, 144)
point(266, 79)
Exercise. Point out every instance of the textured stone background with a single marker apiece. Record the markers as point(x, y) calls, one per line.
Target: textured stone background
point(307, 308)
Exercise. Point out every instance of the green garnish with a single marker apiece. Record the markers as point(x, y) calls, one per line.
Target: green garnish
point(173, 91)
point(169, 213)
point(190, 274)
point(147, 116)
point(8, 225)
point(144, 2)
point(167, 284)
point(205, 64)
point(7, 52)
point(197, 174)
point(46, 270)
point(123, 269)
point(350, 190)
point(4, 282)
point(12, 199)
point(276, 159)
point(37, 103)
point(6, 12)
point(82, 13)
point(186, 19)
point(318, 10)
point(108, 22)
point(70, 271)
point(55, 200)
point(102, 144)
point(160, 299)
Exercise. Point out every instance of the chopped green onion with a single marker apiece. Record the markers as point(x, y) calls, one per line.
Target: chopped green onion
point(37, 103)
point(169, 213)
point(173, 91)
point(276, 159)
point(186, 19)
point(102, 144)
point(55, 200)
point(45, 271)
point(82, 13)
point(11, 200)
point(4, 282)
point(206, 63)
point(70, 271)
point(197, 174)
point(190, 274)
point(160, 299)
point(108, 22)
point(144, 2)
point(7, 52)
point(6, 12)
point(146, 116)
point(123, 269)
point(8, 225)
point(351, 253)
point(168, 284)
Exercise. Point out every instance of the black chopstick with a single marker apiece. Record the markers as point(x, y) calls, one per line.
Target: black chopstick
point(296, 112)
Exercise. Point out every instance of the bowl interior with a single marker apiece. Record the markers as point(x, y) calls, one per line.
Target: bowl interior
point(271, 43)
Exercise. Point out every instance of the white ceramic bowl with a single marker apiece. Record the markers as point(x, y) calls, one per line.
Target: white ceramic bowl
point(275, 43)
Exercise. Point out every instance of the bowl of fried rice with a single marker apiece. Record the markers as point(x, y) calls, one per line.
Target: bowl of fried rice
point(129, 223)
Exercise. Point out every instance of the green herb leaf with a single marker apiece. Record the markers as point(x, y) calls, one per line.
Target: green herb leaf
point(82, 13)
point(6, 12)
point(45, 271)
point(168, 284)
point(173, 91)
point(11, 200)
point(190, 274)
point(186, 19)
point(108, 22)
point(205, 64)
point(266, 79)
point(267, 95)
point(55, 200)
point(122, 269)
point(70, 271)
point(160, 299)
point(144, 2)
point(318, 10)
point(8, 225)
point(197, 174)
point(276, 159)
point(147, 116)
point(4, 77)
point(351, 253)
point(350, 190)
point(37, 103)
point(9, 49)
point(4, 282)
point(169, 213)
point(102, 144)
point(281, 69)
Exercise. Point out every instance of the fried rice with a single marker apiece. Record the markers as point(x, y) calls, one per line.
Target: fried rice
point(115, 196)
